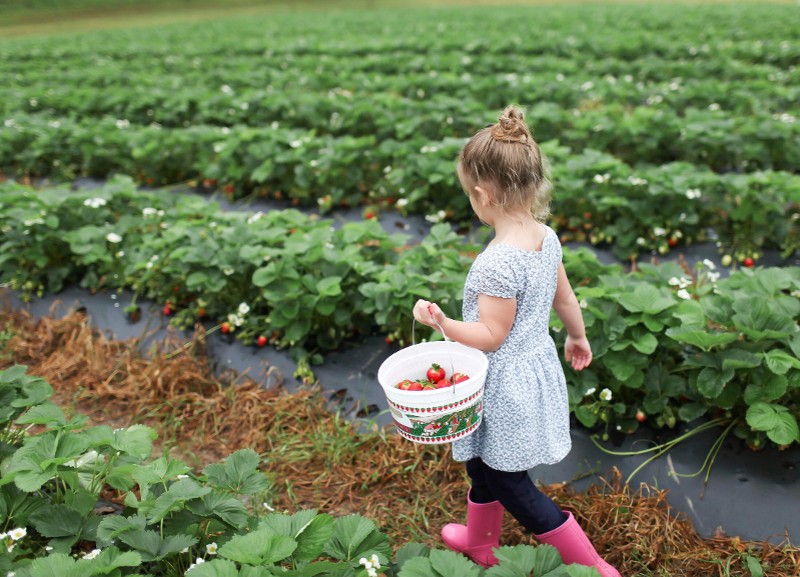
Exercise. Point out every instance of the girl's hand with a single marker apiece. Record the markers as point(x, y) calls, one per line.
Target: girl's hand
point(429, 314)
point(578, 352)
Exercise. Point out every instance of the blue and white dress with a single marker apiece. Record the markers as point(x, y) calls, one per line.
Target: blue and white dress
point(526, 409)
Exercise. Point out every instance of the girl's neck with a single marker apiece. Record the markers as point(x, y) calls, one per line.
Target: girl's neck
point(520, 230)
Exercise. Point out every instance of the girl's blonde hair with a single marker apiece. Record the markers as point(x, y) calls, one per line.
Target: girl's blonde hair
point(506, 155)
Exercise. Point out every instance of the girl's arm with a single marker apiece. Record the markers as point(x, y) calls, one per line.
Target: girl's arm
point(577, 349)
point(495, 318)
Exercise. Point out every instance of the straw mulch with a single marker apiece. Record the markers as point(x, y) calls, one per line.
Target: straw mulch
point(319, 460)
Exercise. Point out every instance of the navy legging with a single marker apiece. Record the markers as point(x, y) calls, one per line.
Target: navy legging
point(517, 493)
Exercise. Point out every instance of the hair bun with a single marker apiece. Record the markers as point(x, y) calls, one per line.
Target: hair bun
point(511, 126)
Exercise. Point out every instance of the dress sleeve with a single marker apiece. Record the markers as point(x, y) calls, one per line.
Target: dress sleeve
point(495, 276)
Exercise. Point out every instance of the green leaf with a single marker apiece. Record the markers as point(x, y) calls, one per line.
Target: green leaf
point(757, 319)
point(700, 337)
point(114, 525)
point(55, 565)
point(739, 359)
point(525, 560)
point(175, 498)
point(754, 566)
point(355, 537)
point(214, 568)
point(711, 381)
point(646, 344)
point(228, 509)
point(690, 313)
point(239, 473)
point(330, 286)
point(258, 548)
point(776, 420)
point(47, 414)
point(691, 411)
point(310, 530)
point(586, 416)
point(152, 547)
point(57, 521)
point(136, 440)
point(410, 551)
point(780, 362)
point(646, 298)
point(440, 564)
point(108, 561)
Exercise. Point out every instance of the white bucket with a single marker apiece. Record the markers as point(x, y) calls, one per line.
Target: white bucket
point(440, 415)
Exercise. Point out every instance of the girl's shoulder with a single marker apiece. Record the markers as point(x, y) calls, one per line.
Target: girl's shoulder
point(504, 251)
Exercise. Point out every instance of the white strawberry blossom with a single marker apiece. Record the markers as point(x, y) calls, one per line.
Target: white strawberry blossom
point(371, 565)
point(684, 294)
point(211, 548)
point(437, 217)
point(682, 282)
point(658, 231)
point(693, 193)
point(123, 123)
point(402, 202)
point(589, 392)
point(605, 395)
point(17, 533)
point(91, 554)
point(601, 178)
point(94, 202)
point(113, 237)
point(709, 264)
point(636, 181)
point(197, 562)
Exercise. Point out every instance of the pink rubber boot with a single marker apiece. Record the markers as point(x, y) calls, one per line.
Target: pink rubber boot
point(574, 546)
point(481, 534)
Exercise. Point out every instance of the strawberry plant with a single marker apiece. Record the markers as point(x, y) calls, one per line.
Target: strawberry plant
point(173, 520)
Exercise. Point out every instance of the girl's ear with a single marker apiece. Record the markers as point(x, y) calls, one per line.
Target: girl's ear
point(483, 195)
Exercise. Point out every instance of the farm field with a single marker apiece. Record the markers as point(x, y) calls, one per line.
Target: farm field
point(671, 130)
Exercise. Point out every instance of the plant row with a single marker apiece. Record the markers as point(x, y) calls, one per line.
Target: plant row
point(598, 199)
point(653, 133)
point(692, 37)
point(671, 345)
point(172, 521)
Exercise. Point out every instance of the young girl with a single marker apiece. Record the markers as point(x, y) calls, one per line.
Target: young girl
point(508, 294)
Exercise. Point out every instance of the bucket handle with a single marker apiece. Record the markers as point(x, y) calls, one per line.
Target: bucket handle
point(446, 338)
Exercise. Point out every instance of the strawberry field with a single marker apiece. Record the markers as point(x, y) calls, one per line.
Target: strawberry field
point(668, 128)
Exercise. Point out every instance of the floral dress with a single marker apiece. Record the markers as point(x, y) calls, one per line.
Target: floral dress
point(526, 409)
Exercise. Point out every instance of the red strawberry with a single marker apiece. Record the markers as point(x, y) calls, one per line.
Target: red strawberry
point(225, 328)
point(641, 416)
point(261, 341)
point(748, 262)
point(459, 378)
point(435, 373)
point(443, 383)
